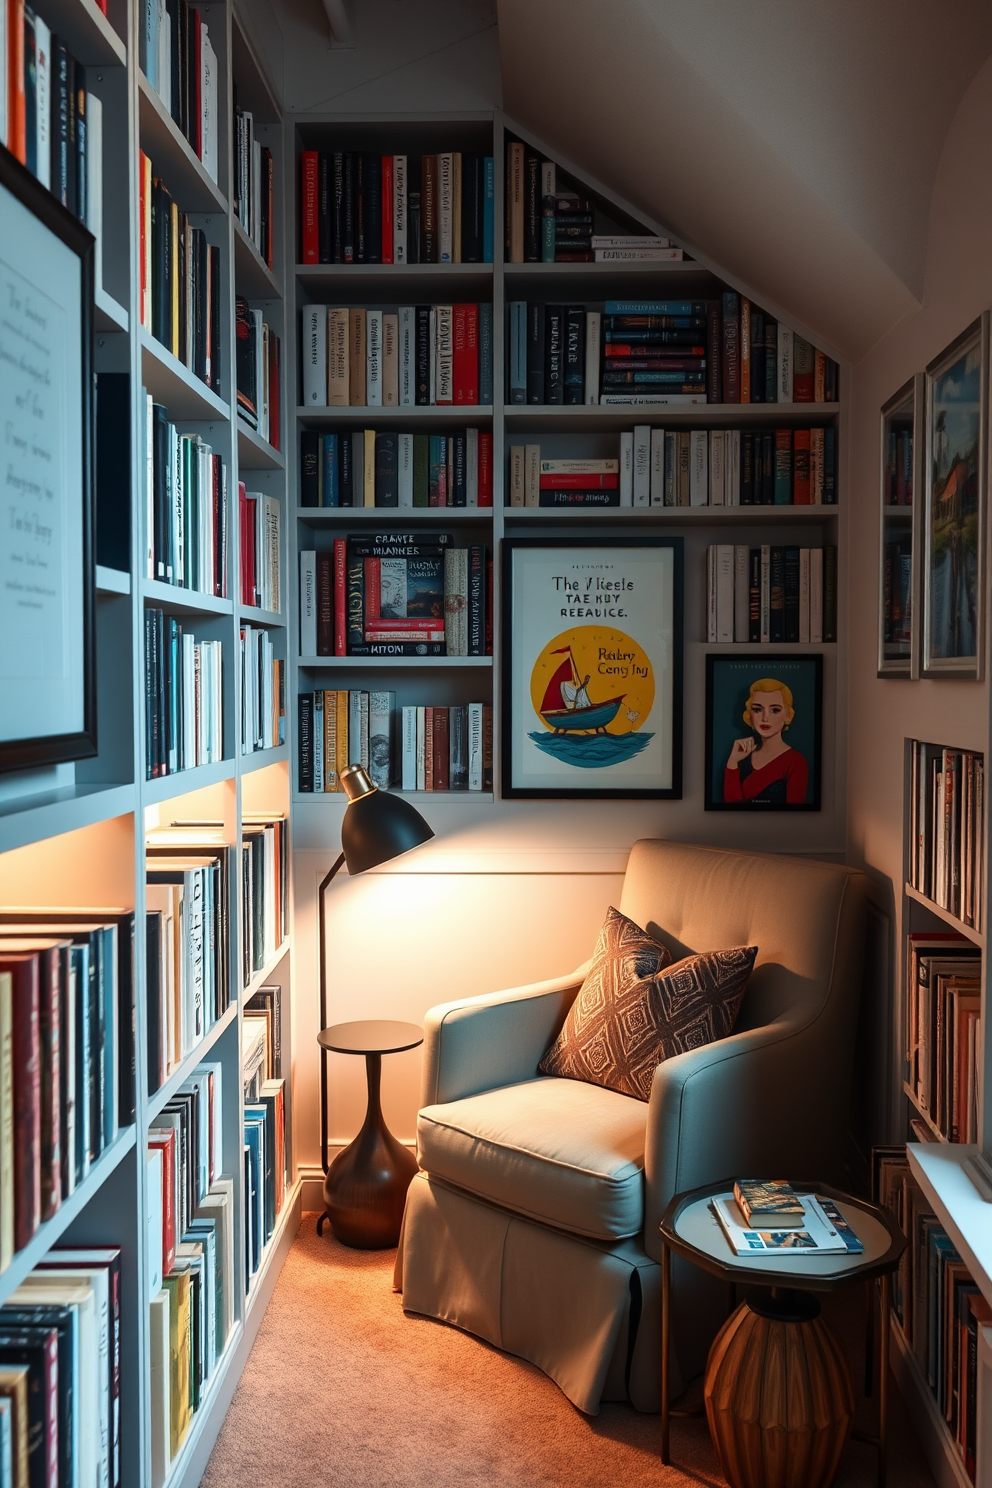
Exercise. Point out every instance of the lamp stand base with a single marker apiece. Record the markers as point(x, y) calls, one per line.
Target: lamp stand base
point(365, 1187)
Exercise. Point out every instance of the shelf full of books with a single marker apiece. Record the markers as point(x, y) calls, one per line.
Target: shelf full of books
point(946, 831)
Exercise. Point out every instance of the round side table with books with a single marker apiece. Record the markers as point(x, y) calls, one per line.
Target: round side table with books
point(778, 1390)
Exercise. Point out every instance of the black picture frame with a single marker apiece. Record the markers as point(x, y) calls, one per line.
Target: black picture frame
point(39, 749)
point(729, 680)
point(603, 552)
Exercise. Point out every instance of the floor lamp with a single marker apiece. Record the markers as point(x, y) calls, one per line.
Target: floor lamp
point(377, 827)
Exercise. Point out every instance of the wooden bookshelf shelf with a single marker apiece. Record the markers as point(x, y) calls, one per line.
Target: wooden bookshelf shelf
point(259, 978)
point(252, 276)
point(161, 1097)
point(411, 418)
point(392, 516)
point(677, 516)
point(183, 601)
point(112, 581)
point(923, 1115)
point(169, 382)
point(385, 663)
point(249, 615)
point(944, 914)
point(396, 283)
point(584, 417)
point(109, 316)
point(86, 31)
point(256, 453)
point(185, 782)
point(261, 759)
point(53, 813)
point(173, 157)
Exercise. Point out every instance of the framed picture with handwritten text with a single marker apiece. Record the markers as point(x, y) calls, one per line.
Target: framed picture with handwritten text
point(47, 663)
point(592, 680)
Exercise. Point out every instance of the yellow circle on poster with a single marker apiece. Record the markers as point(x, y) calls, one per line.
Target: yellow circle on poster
point(593, 677)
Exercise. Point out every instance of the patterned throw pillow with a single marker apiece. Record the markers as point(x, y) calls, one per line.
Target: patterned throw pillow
point(635, 1009)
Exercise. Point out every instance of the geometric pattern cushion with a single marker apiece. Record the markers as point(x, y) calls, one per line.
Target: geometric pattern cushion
point(629, 1016)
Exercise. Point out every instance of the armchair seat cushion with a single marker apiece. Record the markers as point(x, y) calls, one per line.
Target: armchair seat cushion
point(561, 1152)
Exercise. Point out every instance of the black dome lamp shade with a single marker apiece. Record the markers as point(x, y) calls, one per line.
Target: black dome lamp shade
point(377, 827)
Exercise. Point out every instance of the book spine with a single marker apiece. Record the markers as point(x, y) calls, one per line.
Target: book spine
point(27, 1097)
point(387, 197)
point(642, 465)
point(305, 724)
point(485, 467)
point(485, 354)
point(488, 207)
point(309, 217)
point(830, 593)
point(314, 356)
point(399, 209)
point(731, 348)
point(308, 602)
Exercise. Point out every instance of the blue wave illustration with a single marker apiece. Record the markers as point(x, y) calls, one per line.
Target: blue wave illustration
point(591, 751)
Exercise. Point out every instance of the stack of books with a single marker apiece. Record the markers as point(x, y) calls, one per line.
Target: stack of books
point(264, 1143)
point(263, 691)
point(180, 288)
point(187, 874)
point(264, 1010)
point(264, 882)
point(253, 183)
point(422, 748)
point(178, 59)
point(258, 364)
point(363, 467)
point(66, 1057)
point(190, 1257)
point(260, 519)
point(947, 810)
point(396, 594)
point(770, 594)
point(561, 483)
point(414, 356)
point(60, 1362)
point(943, 1039)
point(770, 1217)
point(939, 1307)
point(184, 697)
point(634, 248)
point(185, 499)
point(360, 207)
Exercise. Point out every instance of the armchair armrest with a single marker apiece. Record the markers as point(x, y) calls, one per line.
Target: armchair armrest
point(480, 1043)
point(724, 1110)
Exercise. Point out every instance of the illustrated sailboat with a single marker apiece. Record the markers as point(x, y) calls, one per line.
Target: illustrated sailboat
point(567, 707)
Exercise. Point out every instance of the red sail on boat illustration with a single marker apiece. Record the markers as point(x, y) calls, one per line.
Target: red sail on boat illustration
point(567, 707)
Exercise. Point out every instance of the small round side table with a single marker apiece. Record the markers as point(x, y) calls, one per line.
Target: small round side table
point(778, 1390)
point(365, 1186)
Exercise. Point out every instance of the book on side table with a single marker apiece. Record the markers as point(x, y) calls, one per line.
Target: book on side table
point(822, 1229)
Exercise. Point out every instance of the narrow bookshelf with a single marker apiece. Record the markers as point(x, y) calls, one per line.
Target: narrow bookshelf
point(171, 837)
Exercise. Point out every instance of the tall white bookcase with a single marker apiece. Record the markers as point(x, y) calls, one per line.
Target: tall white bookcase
point(75, 836)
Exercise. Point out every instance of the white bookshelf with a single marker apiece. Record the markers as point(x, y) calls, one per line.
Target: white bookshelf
point(76, 835)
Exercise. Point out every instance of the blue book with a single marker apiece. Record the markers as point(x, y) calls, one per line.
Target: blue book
point(261, 1113)
point(6, 1442)
point(486, 354)
point(655, 307)
point(518, 351)
point(330, 489)
point(488, 211)
point(255, 1138)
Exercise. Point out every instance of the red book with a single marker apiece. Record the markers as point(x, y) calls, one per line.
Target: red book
point(196, 105)
point(387, 208)
point(441, 746)
point(325, 605)
point(166, 1142)
point(16, 116)
point(487, 746)
point(220, 530)
point(622, 350)
point(485, 468)
point(51, 956)
point(309, 235)
point(373, 590)
point(413, 625)
point(465, 361)
point(340, 589)
point(801, 495)
point(27, 1094)
point(429, 748)
point(242, 501)
point(579, 482)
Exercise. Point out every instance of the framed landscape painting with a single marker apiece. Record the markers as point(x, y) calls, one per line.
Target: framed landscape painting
point(763, 744)
point(592, 681)
point(954, 511)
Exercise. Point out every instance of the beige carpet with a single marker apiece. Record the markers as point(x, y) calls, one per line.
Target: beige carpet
point(343, 1389)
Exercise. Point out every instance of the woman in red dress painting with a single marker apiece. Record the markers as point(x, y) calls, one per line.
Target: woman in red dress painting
point(765, 769)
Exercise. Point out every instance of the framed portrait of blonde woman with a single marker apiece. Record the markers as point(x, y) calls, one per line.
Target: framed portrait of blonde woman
point(763, 732)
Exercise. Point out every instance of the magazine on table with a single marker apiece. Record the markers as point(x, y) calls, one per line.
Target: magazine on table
point(824, 1231)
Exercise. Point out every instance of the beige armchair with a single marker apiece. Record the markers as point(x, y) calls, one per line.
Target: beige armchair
point(534, 1220)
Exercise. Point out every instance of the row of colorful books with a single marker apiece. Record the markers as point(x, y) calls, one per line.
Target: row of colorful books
point(362, 467)
point(549, 221)
point(190, 1258)
point(947, 805)
point(260, 529)
point(264, 1163)
point(254, 182)
point(360, 207)
point(770, 594)
point(943, 1038)
point(180, 283)
point(184, 697)
point(48, 120)
point(187, 888)
point(396, 594)
point(416, 747)
point(264, 890)
point(261, 1040)
point(263, 691)
point(413, 356)
point(257, 366)
point(185, 501)
point(936, 1302)
point(66, 1057)
point(60, 1366)
point(177, 57)
point(897, 593)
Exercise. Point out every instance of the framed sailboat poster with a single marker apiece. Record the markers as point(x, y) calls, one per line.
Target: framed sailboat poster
point(592, 668)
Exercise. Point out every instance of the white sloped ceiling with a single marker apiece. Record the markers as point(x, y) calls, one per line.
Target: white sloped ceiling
point(791, 141)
